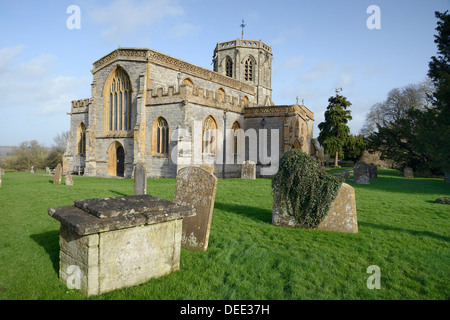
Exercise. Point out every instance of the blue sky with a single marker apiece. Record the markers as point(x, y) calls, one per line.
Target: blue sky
point(318, 46)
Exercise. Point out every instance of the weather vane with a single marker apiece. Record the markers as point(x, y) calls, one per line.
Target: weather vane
point(337, 90)
point(242, 26)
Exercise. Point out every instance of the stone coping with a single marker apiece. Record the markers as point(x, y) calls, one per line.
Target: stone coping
point(107, 214)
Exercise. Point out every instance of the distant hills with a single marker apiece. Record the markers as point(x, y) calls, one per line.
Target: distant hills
point(4, 151)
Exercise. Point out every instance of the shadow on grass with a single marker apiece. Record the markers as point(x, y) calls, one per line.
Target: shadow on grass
point(118, 193)
point(409, 231)
point(50, 242)
point(254, 213)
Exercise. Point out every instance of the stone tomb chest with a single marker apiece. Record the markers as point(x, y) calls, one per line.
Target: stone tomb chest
point(111, 243)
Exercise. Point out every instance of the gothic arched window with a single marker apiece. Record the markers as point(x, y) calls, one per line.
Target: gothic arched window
point(209, 135)
point(248, 69)
point(162, 136)
point(81, 138)
point(120, 102)
point(229, 67)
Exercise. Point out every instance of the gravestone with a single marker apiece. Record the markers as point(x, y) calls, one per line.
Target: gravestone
point(68, 180)
point(47, 169)
point(446, 176)
point(340, 217)
point(408, 172)
point(1, 178)
point(196, 188)
point(248, 170)
point(373, 172)
point(58, 174)
point(140, 179)
point(32, 169)
point(361, 173)
point(346, 173)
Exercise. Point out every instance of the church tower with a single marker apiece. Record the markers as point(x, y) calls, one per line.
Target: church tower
point(249, 61)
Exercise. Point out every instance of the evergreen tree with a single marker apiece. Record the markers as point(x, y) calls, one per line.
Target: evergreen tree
point(334, 130)
point(433, 128)
point(354, 147)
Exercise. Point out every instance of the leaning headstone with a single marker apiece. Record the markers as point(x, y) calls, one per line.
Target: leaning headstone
point(361, 173)
point(68, 180)
point(196, 188)
point(248, 170)
point(58, 173)
point(373, 172)
point(140, 179)
point(408, 173)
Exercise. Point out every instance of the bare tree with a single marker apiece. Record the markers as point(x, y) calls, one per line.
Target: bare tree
point(396, 106)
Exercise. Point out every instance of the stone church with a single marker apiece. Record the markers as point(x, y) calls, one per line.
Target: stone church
point(142, 99)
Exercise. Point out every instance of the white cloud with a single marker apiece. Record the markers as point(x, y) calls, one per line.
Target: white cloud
point(31, 87)
point(183, 30)
point(123, 17)
point(320, 71)
point(7, 56)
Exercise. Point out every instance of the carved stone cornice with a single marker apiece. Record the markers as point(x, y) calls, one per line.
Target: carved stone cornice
point(278, 111)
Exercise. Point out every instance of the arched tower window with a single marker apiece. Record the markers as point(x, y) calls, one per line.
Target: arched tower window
point(162, 136)
point(209, 133)
point(248, 69)
point(229, 67)
point(120, 102)
point(81, 138)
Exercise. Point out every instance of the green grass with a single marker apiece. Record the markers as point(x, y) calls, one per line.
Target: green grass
point(401, 229)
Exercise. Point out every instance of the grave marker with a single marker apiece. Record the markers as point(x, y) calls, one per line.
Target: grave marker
point(196, 188)
point(140, 179)
point(58, 174)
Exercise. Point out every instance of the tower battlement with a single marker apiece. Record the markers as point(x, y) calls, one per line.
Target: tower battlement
point(80, 105)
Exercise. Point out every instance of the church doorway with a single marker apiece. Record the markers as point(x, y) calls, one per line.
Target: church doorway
point(120, 167)
point(116, 160)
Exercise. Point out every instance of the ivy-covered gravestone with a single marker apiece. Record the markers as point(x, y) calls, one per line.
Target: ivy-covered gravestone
point(306, 196)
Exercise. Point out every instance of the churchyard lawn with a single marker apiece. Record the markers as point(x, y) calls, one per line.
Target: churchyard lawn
point(402, 231)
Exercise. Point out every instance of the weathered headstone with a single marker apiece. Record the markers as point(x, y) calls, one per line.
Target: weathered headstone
point(248, 170)
point(68, 180)
point(373, 172)
point(32, 169)
point(47, 169)
point(196, 188)
point(140, 179)
point(58, 174)
point(408, 172)
point(361, 173)
point(346, 173)
point(340, 217)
